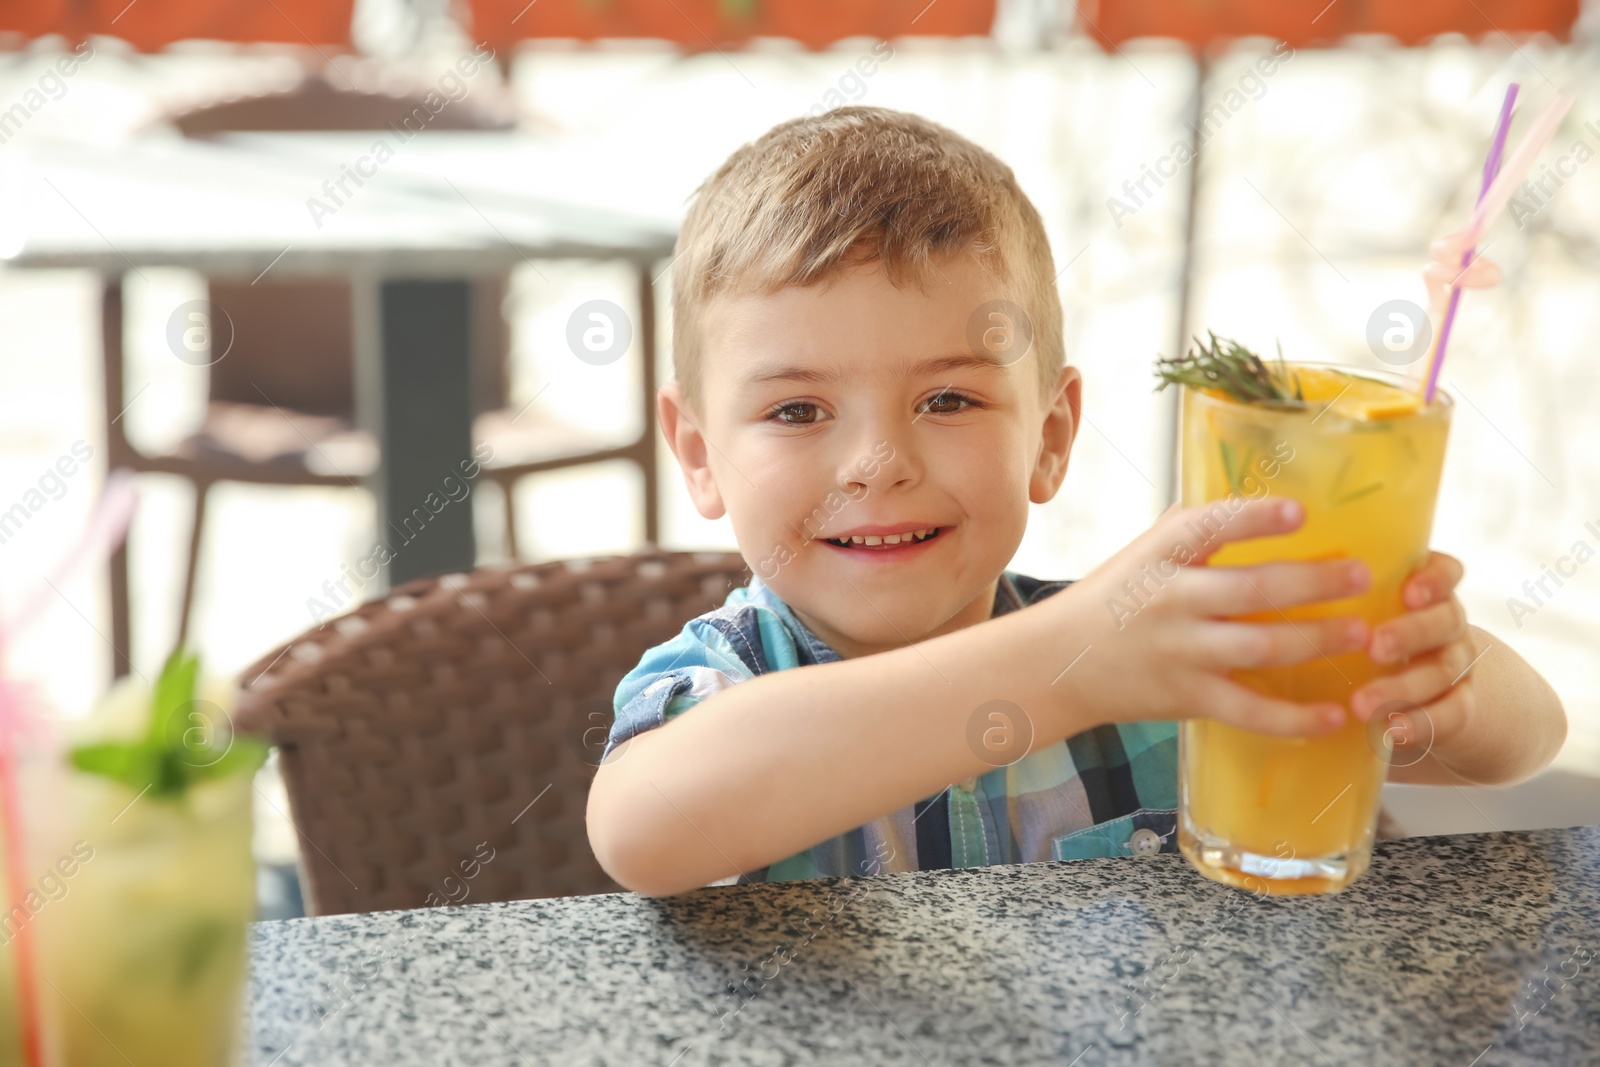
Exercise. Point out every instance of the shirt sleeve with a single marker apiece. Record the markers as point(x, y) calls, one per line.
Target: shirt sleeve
point(672, 678)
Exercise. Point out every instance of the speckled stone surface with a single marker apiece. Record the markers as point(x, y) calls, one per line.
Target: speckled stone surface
point(1473, 950)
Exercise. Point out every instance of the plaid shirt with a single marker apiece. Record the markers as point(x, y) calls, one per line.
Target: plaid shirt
point(1109, 791)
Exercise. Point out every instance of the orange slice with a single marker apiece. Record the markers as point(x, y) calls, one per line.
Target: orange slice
point(1353, 396)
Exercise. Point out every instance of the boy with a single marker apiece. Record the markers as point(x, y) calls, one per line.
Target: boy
point(870, 383)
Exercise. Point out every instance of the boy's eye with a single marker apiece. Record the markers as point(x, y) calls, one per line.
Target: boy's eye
point(946, 404)
point(798, 413)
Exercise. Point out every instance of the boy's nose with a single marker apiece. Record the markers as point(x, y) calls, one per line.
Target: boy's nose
point(878, 462)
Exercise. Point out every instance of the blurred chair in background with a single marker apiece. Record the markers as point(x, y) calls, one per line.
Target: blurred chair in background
point(463, 717)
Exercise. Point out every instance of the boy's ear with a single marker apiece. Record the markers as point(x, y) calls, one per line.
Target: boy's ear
point(1060, 429)
point(688, 444)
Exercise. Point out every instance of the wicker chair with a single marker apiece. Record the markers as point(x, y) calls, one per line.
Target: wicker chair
point(464, 714)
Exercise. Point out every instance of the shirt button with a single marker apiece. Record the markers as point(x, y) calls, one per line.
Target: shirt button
point(968, 784)
point(1145, 842)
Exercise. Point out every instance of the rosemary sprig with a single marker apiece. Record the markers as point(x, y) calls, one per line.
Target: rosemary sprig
point(1227, 365)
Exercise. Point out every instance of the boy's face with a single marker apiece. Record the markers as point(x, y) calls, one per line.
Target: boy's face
point(856, 409)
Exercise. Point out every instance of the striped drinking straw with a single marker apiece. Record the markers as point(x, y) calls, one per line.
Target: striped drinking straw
point(1492, 198)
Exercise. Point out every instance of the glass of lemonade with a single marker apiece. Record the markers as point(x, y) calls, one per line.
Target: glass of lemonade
point(145, 956)
point(140, 887)
point(1364, 457)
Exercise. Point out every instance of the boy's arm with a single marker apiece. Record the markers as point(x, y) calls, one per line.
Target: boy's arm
point(1506, 726)
point(776, 764)
point(773, 765)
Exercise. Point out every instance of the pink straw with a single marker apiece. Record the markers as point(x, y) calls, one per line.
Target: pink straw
point(1517, 167)
point(1492, 201)
point(107, 526)
point(1491, 168)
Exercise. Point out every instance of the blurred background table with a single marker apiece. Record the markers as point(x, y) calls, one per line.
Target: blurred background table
point(1477, 949)
point(237, 209)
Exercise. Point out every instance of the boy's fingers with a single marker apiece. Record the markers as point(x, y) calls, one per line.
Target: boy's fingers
point(1247, 709)
point(1229, 591)
point(1193, 535)
point(1157, 538)
point(1419, 683)
point(1434, 580)
point(1450, 713)
point(1250, 645)
point(1416, 632)
point(1424, 726)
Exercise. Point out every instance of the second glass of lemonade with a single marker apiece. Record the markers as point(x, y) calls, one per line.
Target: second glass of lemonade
point(1364, 457)
point(146, 954)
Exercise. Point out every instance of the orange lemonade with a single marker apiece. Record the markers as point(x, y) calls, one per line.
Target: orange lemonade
point(1363, 456)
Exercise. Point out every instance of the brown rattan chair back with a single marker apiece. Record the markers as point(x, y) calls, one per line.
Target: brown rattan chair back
point(438, 744)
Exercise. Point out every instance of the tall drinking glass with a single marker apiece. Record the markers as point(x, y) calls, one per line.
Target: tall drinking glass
point(1297, 815)
point(145, 952)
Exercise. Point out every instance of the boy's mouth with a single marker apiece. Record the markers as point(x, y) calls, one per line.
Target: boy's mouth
point(884, 542)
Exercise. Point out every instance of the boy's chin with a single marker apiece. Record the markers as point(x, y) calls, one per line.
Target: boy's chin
point(866, 639)
point(878, 626)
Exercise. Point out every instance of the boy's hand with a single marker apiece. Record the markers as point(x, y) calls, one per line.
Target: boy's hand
point(1433, 642)
point(1160, 627)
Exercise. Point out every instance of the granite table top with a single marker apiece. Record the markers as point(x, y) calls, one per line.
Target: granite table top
point(1466, 951)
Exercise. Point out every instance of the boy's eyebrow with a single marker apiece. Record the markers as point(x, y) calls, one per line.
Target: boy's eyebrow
point(960, 361)
point(832, 375)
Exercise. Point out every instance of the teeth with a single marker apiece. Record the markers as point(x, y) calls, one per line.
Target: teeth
point(887, 539)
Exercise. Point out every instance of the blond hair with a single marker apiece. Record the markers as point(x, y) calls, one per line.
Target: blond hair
point(817, 195)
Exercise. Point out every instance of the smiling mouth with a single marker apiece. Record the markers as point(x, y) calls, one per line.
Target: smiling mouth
point(883, 541)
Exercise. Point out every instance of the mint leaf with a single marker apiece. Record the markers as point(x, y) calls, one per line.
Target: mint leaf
point(245, 754)
point(162, 761)
point(174, 688)
point(130, 764)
